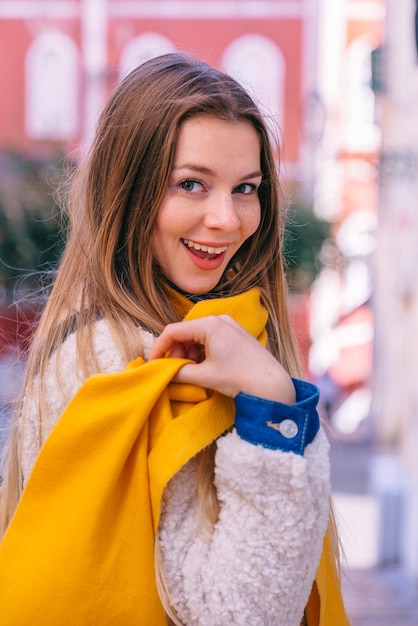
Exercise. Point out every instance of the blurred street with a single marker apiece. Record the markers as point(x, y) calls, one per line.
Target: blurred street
point(375, 594)
point(379, 597)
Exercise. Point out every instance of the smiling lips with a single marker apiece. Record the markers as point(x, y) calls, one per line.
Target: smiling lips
point(205, 257)
point(204, 252)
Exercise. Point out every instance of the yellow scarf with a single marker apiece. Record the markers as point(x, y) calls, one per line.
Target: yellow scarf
point(80, 548)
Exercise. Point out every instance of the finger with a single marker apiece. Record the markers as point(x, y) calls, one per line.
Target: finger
point(232, 323)
point(188, 333)
point(186, 351)
point(184, 375)
point(205, 375)
point(178, 351)
point(229, 320)
point(195, 352)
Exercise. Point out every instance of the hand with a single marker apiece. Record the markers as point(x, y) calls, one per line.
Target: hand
point(227, 359)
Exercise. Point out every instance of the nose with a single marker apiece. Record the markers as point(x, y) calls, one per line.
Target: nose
point(222, 213)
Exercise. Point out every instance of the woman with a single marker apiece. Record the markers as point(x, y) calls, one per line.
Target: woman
point(171, 467)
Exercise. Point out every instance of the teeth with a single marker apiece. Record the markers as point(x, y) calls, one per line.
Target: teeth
point(209, 249)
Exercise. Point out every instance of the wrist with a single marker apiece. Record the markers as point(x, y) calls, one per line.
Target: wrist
point(272, 386)
point(277, 425)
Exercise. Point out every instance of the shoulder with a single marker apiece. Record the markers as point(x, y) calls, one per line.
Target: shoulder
point(65, 374)
point(50, 394)
point(106, 351)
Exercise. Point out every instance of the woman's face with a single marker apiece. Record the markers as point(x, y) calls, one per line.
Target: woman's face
point(211, 205)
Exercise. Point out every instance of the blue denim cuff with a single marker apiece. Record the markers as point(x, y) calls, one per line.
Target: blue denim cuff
point(287, 427)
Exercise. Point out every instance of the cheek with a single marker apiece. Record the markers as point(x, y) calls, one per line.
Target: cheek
point(253, 222)
point(163, 228)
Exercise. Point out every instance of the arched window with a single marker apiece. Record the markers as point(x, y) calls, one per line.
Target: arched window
point(141, 49)
point(362, 133)
point(52, 87)
point(258, 64)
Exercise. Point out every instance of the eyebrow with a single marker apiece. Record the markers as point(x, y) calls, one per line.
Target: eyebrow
point(206, 170)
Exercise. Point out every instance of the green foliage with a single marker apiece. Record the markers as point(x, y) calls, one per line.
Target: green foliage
point(305, 235)
point(30, 222)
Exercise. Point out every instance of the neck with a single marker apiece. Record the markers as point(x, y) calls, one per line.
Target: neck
point(196, 297)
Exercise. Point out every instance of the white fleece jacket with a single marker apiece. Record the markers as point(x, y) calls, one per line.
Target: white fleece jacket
point(258, 565)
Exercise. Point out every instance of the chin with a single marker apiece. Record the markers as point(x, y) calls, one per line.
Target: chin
point(197, 288)
point(199, 291)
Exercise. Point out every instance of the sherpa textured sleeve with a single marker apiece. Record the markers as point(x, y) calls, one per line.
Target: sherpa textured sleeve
point(258, 565)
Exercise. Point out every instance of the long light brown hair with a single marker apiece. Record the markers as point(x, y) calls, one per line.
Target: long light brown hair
point(107, 269)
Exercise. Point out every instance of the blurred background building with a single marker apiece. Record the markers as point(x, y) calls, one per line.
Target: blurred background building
point(67, 56)
point(339, 77)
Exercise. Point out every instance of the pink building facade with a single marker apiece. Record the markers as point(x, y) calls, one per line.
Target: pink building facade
point(59, 59)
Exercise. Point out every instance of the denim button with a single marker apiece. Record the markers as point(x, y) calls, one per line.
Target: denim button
point(278, 426)
point(287, 428)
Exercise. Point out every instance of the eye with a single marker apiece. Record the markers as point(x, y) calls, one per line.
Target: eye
point(246, 189)
point(190, 185)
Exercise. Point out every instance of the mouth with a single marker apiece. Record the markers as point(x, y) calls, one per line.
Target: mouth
point(206, 253)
